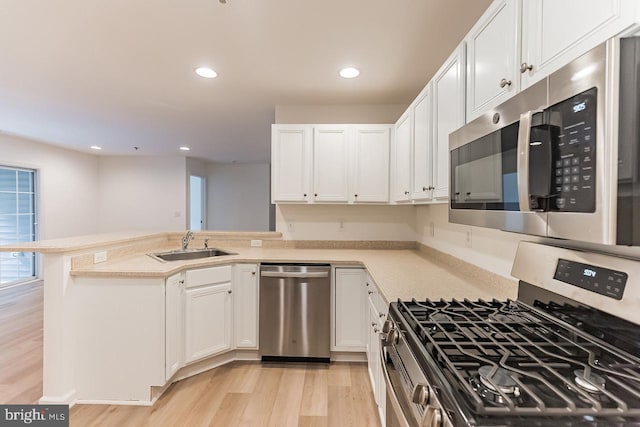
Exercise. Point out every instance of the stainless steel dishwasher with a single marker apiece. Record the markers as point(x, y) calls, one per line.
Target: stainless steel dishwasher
point(295, 312)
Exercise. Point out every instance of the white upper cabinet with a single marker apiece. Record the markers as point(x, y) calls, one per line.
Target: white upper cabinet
point(422, 183)
point(556, 32)
point(330, 163)
point(402, 167)
point(493, 47)
point(370, 164)
point(448, 115)
point(290, 162)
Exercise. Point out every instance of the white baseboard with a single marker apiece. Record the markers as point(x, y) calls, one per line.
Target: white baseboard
point(348, 356)
point(68, 398)
point(116, 402)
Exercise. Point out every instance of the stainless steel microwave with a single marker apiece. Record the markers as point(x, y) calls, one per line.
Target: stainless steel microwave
point(560, 159)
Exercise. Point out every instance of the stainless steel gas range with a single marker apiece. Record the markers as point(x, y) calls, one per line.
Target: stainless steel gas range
point(565, 353)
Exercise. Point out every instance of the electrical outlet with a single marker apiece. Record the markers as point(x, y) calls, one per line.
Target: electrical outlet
point(256, 243)
point(341, 225)
point(290, 226)
point(467, 239)
point(99, 257)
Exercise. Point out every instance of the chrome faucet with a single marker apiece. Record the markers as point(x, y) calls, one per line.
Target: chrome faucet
point(187, 239)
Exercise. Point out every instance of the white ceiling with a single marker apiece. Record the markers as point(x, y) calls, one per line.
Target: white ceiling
point(119, 73)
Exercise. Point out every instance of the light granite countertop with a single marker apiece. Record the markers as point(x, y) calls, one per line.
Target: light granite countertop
point(421, 273)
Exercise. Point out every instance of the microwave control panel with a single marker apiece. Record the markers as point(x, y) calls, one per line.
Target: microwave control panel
point(574, 153)
point(600, 280)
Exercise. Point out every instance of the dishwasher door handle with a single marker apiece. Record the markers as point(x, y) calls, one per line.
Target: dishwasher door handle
point(301, 275)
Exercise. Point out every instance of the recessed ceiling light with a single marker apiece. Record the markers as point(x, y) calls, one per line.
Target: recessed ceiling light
point(206, 72)
point(184, 148)
point(349, 73)
point(96, 147)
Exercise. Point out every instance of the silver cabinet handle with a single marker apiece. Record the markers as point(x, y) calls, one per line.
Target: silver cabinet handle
point(381, 315)
point(295, 275)
point(406, 193)
point(229, 291)
point(524, 67)
point(369, 292)
point(505, 82)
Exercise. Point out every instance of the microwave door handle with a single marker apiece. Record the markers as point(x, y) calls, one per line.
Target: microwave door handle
point(524, 135)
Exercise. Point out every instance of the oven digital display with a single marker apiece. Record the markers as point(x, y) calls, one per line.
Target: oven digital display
point(600, 280)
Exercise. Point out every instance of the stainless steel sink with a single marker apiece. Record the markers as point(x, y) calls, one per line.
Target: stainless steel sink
point(188, 254)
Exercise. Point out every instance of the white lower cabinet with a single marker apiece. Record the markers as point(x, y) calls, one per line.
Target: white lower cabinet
point(377, 313)
point(350, 310)
point(207, 320)
point(246, 306)
point(174, 357)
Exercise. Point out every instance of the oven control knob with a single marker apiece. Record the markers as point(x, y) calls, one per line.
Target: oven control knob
point(420, 395)
point(386, 327)
point(393, 337)
point(433, 417)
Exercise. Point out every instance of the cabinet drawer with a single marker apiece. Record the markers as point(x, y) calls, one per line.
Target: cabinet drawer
point(375, 298)
point(208, 276)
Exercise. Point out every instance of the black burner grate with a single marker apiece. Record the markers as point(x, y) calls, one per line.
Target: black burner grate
point(529, 363)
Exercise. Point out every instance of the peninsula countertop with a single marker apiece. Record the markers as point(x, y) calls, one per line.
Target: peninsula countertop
point(405, 274)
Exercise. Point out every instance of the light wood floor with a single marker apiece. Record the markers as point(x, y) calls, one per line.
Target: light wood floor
point(21, 312)
point(252, 394)
point(238, 394)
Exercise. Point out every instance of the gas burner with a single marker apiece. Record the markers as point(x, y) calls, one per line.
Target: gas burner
point(501, 378)
point(590, 383)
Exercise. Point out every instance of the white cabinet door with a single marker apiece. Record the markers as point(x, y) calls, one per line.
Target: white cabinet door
point(207, 321)
point(330, 163)
point(370, 160)
point(556, 32)
point(245, 284)
point(448, 115)
point(350, 310)
point(173, 325)
point(402, 155)
point(290, 162)
point(422, 183)
point(493, 46)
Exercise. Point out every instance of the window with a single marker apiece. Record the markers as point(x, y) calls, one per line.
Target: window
point(197, 203)
point(17, 223)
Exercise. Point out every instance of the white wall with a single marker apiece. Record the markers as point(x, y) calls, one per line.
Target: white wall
point(490, 249)
point(363, 114)
point(238, 197)
point(322, 222)
point(67, 185)
point(493, 250)
point(142, 193)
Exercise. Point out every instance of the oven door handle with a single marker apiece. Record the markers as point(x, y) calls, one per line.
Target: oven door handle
point(389, 391)
point(524, 134)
